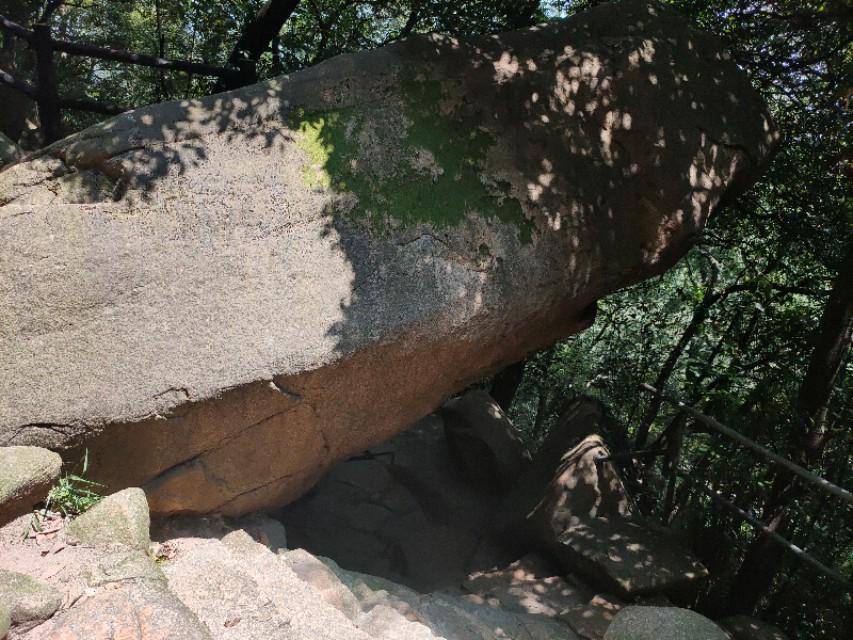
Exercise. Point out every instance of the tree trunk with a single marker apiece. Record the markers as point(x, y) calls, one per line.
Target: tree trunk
point(831, 347)
point(255, 39)
point(48, 98)
point(506, 383)
point(690, 331)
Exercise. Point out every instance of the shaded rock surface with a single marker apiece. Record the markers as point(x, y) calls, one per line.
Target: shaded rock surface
point(26, 475)
point(9, 153)
point(5, 619)
point(482, 441)
point(629, 558)
point(402, 510)
point(746, 628)
point(592, 619)
point(575, 507)
point(656, 623)
point(406, 513)
point(528, 585)
point(258, 284)
point(564, 477)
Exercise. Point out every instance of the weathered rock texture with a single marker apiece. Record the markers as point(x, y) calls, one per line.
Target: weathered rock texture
point(26, 475)
point(746, 628)
point(402, 511)
point(656, 623)
point(482, 441)
point(119, 519)
point(221, 298)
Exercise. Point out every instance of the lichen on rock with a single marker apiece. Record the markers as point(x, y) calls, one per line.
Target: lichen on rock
point(407, 161)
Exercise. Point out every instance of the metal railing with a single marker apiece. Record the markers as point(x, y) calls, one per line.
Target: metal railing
point(767, 454)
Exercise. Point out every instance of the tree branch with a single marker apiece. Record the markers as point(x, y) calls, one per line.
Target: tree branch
point(119, 55)
point(28, 89)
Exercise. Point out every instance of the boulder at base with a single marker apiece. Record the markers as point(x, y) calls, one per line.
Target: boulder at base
point(657, 623)
point(222, 298)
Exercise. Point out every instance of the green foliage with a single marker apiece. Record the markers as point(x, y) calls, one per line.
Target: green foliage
point(73, 494)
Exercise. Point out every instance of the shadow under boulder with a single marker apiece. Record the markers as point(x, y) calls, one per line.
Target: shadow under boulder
point(401, 510)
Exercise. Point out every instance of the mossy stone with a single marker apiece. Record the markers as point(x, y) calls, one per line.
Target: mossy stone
point(433, 173)
point(27, 599)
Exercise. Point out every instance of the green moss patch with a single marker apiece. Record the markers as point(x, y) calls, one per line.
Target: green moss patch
point(432, 174)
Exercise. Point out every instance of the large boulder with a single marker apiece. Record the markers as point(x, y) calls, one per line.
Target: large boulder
point(227, 296)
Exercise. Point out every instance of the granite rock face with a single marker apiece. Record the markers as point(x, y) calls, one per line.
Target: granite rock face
point(227, 296)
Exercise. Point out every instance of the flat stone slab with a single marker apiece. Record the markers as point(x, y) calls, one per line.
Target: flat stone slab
point(26, 475)
point(628, 559)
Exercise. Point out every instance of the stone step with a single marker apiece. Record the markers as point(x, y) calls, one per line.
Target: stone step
point(628, 558)
point(452, 615)
point(241, 589)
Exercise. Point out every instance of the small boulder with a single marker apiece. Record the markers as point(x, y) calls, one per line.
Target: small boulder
point(26, 475)
point(27, 600)
point(482, 441)
point(746, 628)
point(657, 623)
point(121, 518)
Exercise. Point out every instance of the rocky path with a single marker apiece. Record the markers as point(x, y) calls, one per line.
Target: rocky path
point(112, 574)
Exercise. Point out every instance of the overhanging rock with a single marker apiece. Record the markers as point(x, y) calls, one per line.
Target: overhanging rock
point(221, 298)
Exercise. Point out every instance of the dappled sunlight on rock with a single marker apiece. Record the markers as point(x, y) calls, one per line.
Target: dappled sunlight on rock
point(272, 279)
